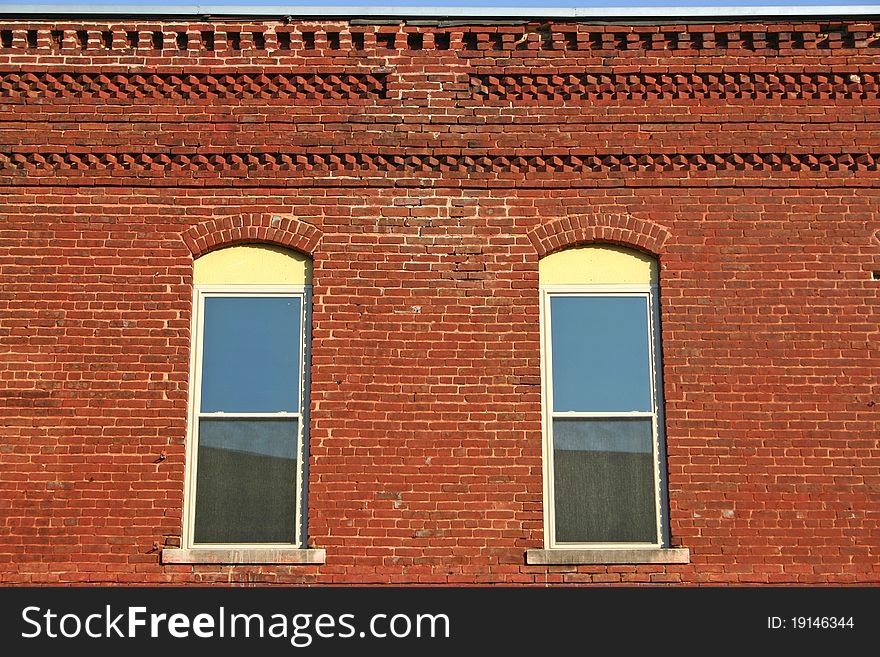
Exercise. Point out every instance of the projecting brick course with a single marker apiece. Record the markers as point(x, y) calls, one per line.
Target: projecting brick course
point(426, 170)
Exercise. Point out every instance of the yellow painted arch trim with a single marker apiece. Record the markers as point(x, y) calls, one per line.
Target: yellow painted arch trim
point(253, 264)
point(597, 264)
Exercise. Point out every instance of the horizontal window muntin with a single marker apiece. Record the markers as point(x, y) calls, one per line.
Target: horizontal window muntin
point(271, 439)
point(642, 447)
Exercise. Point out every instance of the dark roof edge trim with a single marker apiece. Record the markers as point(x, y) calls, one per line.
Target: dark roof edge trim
point(311, 12)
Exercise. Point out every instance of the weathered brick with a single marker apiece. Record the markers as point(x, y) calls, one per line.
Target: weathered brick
point(426, 170)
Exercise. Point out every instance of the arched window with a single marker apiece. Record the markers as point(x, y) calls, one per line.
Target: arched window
point(248, 422)
point(605, 472)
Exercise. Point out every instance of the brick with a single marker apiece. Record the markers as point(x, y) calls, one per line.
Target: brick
point(426, 170)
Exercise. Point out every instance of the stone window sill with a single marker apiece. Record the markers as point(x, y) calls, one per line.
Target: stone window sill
point(244, 556)
point(581, 556)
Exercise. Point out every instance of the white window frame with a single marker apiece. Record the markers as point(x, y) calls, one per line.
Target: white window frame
point(200, 293)
point(649, 292)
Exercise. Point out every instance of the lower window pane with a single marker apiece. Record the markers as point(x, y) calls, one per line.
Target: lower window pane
point(246, 481)
point(604, 480)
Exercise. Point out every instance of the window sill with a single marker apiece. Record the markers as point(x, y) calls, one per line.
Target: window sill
point(583, 556)
point(245, 556)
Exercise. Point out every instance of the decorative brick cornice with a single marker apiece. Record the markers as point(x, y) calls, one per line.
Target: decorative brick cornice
point(235, 85)
point(623, 229)
point(305, 38)
point(252, 228)
point(522, 87)
point(274, 165)
point(231, 86)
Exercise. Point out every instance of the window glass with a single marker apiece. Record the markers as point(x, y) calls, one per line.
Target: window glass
point(600, 353)
point(246, 486)
point(250, 361)
point(604, 480)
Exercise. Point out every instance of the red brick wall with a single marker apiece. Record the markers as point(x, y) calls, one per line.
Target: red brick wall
point(426, 170)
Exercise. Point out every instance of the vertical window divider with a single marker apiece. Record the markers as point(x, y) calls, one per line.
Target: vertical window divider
point(195, 395)
point(302, 450)
point(546, 420)
point(659, 417)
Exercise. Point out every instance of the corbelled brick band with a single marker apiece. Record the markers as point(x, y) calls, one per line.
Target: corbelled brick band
point(601, 85)
point(254, 165)
point(233, 86)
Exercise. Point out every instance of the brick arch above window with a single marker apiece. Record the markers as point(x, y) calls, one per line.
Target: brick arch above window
point(252, 228)
point(622, 229)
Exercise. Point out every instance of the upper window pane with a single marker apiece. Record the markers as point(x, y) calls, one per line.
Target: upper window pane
point(600, 353)
point(251, 353)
